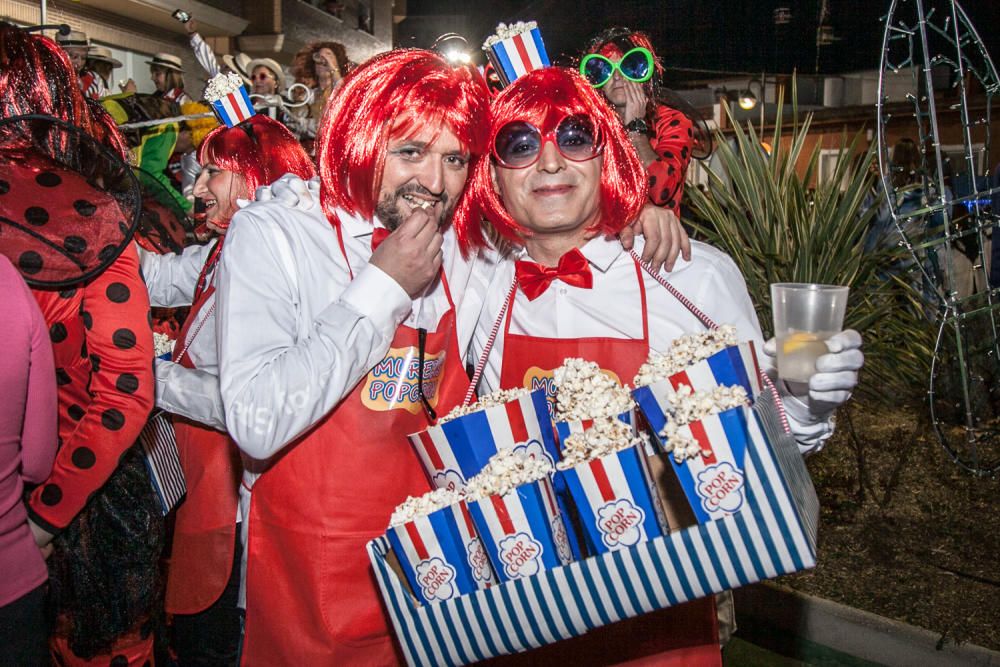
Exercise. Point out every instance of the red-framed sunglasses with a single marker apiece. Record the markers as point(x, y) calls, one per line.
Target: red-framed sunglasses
point(519, 144)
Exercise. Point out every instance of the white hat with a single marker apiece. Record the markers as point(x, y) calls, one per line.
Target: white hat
point(103, 54)
point(75, 39)
point(238, 64)
point(167, 61)
point(272, 65)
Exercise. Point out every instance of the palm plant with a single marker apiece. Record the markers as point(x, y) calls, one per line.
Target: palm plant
point(762, 212)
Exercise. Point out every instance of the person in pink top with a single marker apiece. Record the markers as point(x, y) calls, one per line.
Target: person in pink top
point(28, 427)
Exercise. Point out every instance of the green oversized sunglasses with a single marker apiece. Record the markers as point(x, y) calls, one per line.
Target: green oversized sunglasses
point(636, 66)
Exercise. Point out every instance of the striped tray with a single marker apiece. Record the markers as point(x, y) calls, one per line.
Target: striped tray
point(774, 534)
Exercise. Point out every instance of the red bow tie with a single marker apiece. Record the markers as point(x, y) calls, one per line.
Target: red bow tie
point(534, 279)
point(379, 234)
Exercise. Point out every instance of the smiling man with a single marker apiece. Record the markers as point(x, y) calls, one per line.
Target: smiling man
point(561, 182)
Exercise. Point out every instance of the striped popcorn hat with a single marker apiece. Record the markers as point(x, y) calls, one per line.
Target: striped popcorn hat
point(456, 450)
point(615, 500)
point(229, 99)
point(516, 49)
point(523, 530)
point(441, 555)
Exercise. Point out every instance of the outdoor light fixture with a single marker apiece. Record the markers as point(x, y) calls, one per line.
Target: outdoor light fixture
point(747, 99)
point(453, 47)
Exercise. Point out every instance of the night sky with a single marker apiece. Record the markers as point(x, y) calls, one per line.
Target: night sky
point(730, 35)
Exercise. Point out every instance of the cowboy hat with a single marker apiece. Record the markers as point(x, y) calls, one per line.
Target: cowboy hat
point(75, 38)
point(167, 61)
point(103, 54)
point(272, 65)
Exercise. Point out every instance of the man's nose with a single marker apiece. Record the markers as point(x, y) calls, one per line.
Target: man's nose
point(551, 160)
point(431, 176)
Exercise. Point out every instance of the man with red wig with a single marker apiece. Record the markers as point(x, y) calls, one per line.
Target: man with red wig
point(562, 180)
point(343, 328)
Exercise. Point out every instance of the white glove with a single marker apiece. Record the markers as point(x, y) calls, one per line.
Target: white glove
point(835, 378)
point(290, 191)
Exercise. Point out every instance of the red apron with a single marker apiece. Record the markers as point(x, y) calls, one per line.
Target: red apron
point(312, 598)
point(683, 635)
point(205, 528)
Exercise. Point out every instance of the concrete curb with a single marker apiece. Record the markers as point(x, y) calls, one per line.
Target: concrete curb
point(850, 631)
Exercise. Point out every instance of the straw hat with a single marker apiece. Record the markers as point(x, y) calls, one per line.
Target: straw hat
point(167, 61)
point(272, 65)
point(103, 54)
point(75, 38)
point(238, 64)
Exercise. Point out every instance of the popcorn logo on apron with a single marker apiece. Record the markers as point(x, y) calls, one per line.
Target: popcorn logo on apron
point(620, 523)
point(521, 556)
point(721, 488)
point(394, 382)
point(540, 378)
point(435, 578)
point(479, 562)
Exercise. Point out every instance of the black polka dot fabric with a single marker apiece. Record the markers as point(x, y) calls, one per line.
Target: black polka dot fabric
point(123, 339)
point(36, 216)
point(118, 292)
point(127, 383)
point(51, 495)
point(112, 419)
point(49, 179)
point(83, 458)
point(84, 207)
point(57, 332)
point(672, 143)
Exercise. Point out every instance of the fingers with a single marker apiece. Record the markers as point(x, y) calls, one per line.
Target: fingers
point(263, 193)
point(242, 203)
point(418, 226)
point(849, 360)
point(627, 236)
point(651, 232)
point(821, 383)
point(771, 348)
point(849, 339)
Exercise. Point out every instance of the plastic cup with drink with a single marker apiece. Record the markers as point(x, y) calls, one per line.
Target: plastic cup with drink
point(805, 315)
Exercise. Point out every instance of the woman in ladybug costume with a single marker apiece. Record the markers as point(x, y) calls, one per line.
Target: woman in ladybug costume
point(204, 570)
point(68, 206)
point(663, 128)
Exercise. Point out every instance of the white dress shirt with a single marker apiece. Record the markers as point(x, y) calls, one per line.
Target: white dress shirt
point(296, 333)
point(189, 392)
point(613, 309)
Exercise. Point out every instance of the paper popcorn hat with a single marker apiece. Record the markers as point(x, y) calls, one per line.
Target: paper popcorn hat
point(229, 99)
point(516, 49)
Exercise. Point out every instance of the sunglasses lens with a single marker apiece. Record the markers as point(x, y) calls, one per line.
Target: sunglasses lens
point(577, 138)
point(637, 65)
point(517, 144)
point(598, 70)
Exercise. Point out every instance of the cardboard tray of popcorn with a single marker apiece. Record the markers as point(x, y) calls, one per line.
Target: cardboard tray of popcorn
point(771, 533)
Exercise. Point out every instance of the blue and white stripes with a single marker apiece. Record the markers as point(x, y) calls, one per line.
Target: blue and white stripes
point(774, 534)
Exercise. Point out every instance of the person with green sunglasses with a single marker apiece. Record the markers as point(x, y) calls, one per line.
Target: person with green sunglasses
point(621, 64)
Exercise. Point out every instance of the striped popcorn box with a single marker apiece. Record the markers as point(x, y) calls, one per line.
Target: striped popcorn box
point(522, 530)
point(735, 365)
point(714, 482)
point(517, 53)
point(564, 429)
point(456, 450)
point(229, 99)
point(615, 500)
point(441, 554)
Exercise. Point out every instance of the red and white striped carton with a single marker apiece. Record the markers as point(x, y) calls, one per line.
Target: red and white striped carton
point(615, 500)
point(564, 429)
point(734, 365)
point(522, 530)
point(441, 554)
point(454, 451)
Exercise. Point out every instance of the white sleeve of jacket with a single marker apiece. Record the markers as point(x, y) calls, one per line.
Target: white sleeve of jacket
point(190, 393)
point(277, 382)
point(204, 55)
point(171, 279)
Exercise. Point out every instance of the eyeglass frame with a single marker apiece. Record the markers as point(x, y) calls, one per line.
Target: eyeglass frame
point(549, 136)
point(617, 66)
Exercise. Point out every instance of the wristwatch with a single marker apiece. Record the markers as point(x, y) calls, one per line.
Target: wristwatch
point(638, 125)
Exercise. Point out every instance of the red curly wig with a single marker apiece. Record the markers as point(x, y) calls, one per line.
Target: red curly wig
point(261, 150)
point(543, 98)
point(394, 95)
point(36, 77)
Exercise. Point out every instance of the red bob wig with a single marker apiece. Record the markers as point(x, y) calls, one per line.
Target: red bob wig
point(260, 149)
point(543, 98)
point(393, 95)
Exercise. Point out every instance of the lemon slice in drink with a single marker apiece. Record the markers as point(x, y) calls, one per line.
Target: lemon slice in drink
point(798, 341)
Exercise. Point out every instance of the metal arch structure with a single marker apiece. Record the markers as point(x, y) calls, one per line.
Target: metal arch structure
point(944, 219)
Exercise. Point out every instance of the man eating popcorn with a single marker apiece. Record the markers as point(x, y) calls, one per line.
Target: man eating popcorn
point(342, 330)
point(561, 180)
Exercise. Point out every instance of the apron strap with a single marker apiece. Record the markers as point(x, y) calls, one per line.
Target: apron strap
point(470, 392)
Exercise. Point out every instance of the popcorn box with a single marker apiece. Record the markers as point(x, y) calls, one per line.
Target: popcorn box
point(614, 498)
point(713, 482)
point(735, 365)
point(454, 451)
point(522, 530)
point(234, 108)
point(773, 534)
point(517, 55)
point(564, 429)
point(441, 554)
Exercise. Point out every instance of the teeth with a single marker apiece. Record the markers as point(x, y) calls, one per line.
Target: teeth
point(419, 203)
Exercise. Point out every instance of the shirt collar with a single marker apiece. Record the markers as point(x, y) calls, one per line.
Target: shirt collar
point(599, 251)
point(356, 226)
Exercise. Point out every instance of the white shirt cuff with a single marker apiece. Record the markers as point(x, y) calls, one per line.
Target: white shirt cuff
point(375, 295)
